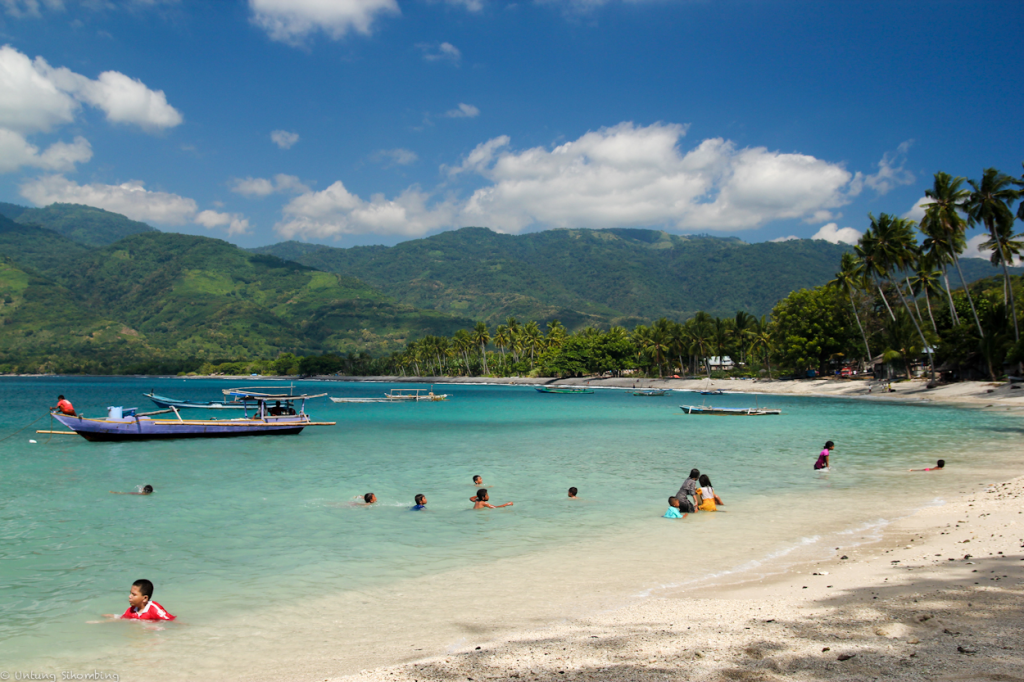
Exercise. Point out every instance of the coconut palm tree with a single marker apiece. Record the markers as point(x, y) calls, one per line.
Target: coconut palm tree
point(850, 279)
point(742, 323)
point(943, 215)
point(926, 281)
point(871, 261)
point(556, 334)
point(482, 336)
point(941, 249)
point(661, 340)
point(513, 336)
point(895, 251)
point(532, 339)
point(989, 205)
point(501, 340)
point(761, 340)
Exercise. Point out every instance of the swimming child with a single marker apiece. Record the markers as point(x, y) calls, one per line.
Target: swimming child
point(708, 500)
point(823, 457)
point(939, 466)
point(421, 503)
point(141, 605)
point(146, 490)
point(477, 480)
point(673, 509)
point(572, 493)
point(481, 501)
point(369, 498)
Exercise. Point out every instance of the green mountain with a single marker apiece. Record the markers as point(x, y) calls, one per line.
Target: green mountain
point(581, 276)
point(38, 248)
point(11, 211)
point(620, 276)
point(84, 224)
point(160, 296)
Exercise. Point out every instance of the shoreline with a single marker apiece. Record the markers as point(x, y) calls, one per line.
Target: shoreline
point(937, 593)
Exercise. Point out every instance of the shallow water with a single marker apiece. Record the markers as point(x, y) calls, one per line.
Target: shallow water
point(246, 538)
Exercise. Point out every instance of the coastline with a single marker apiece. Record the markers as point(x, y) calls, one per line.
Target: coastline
point(938, 594)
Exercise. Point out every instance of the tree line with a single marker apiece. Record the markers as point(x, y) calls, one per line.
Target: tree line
point(898, 298)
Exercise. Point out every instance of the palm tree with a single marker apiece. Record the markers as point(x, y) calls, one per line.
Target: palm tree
point(482, 336)
point(721, 335)
point(941, 249)
point(501, 339)
point(556, 334)
point(871, 261)
point(848, 280)
point(943, 215)
point(532, 338)
point(896, 250)
point(761, 339)
point(926, 281)
point(989, 204)
point(661, 340)
point(742, 323)
point(513, 336)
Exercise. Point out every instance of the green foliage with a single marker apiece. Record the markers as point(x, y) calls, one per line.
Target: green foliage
point(84, 224)
point(813, 326)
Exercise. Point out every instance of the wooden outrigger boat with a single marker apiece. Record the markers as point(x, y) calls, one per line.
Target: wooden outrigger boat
point(166, 403)
point(121, 424)
point(568, 390)
point(400, 395)
point(651, 393)
point(728, 411)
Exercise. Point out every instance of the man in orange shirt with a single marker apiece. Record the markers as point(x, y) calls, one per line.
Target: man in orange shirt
point(64, 405)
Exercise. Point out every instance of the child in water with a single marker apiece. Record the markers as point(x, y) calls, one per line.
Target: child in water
point(673, 509)
point(477, 480)
point(481, 501)
point(572, 493)
point(421, 503)
point(824, 456)
point(709, 501)
point(140, 604)
point(938, 466)
point(146, 490)
point(369, 498)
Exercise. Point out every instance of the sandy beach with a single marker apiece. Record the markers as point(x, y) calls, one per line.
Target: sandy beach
point(937, 596)
point(981, 394)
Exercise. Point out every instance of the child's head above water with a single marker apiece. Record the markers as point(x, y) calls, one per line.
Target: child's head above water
point(147, 489)
point(421, 499)
point(941, 463)
point(673, 502)
point(572, 493)
point(694, 473)
point(141, 593)
point(481, 494)
point(705, 480)
point(477, 480)
point(369, 498)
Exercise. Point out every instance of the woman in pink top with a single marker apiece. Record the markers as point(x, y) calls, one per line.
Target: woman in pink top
point(823, 457)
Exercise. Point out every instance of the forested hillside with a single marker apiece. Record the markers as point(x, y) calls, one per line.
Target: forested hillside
point(581, 277)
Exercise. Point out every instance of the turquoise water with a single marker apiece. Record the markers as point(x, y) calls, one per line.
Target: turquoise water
point(247, 525)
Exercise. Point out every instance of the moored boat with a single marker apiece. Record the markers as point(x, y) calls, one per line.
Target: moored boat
point(651, 393)
point(128, 425)
point(728, 411)
point(165, 402)
point(568, 390)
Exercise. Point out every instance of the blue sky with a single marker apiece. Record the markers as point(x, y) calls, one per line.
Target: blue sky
point(352, 122)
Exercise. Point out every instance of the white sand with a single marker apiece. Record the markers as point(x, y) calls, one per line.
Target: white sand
point(938, 597)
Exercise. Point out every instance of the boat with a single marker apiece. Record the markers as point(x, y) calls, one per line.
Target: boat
point(400, 395)
point(123, 424)
point(569, 390)
point(717, 391)
point(165, 402)
point(651, 393)
point(728, 411)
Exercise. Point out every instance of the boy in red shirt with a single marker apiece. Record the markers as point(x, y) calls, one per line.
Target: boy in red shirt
point(141, 606)
point(65, 407)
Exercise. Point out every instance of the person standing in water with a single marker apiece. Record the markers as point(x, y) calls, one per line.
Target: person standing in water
point(824, 456)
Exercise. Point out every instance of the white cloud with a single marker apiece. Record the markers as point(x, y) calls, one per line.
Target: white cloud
point(395, 157)
point(790, 238)
point(261, 187)
point(916, 212)
point(30, 8)
point(284, 139)
point(838, 235)
point(628, 175)
point(621, 176)
point(335, 211)
point(235, 222)
point(36, 98)
point(463, 111)
point(16, 151)
point(891, 172)
point(131, 199)
point(292, 21)
point(434, 52)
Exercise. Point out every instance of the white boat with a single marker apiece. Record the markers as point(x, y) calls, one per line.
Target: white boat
point(400, 395)
point(728, 411)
